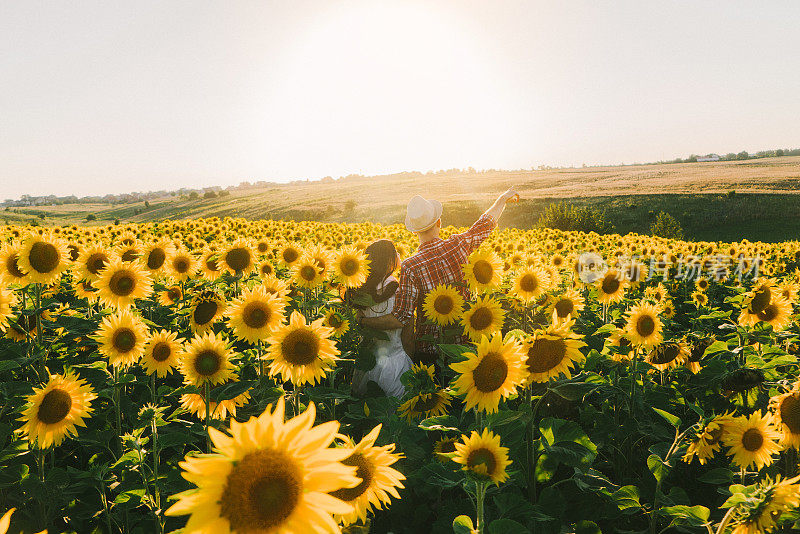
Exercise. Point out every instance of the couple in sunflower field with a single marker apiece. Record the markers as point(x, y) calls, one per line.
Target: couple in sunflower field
point(437, 262)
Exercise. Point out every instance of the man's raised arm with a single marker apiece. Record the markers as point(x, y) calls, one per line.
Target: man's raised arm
point(496, 210)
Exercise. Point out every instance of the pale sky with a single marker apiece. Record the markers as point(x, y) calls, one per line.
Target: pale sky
point(120, 96)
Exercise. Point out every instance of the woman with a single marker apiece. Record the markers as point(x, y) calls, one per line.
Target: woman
point(391, 359)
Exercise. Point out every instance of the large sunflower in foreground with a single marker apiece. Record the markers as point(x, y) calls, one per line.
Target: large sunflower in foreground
point(268, 476)
point(531, 283)
point(752, 440)
point(43, 258)
point(206, 360)
point(491, 374)
point(255, 314)
point(351, 266)
point(122, 338)
point(778, 313)
point(765, 504)
point(301, 352)
point(786, 410)
point(336, 321)
point(444, 305)
point(54, 411)
point(209, 264)
point(181, 265)
point(424, 405)
point(552, 352)
point(161, 354)
point(644, 325)
point(121, 283)
point(379, 481)
point(482, 456)
point(483, 271)
point(154, 257)
point(483, 318)
point(289, 254)
point(709, 439)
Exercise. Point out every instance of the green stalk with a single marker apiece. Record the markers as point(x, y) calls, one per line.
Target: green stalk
point(480, 496)
point(117, 411)
point(207, 396)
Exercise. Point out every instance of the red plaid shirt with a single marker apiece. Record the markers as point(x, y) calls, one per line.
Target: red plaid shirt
point(435, 263)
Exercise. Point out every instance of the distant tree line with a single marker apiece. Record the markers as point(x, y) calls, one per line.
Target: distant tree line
point(730, 156)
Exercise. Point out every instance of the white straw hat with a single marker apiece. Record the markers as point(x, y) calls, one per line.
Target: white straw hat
point(422, 214)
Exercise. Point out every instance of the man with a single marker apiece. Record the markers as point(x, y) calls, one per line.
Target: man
point(436, 262)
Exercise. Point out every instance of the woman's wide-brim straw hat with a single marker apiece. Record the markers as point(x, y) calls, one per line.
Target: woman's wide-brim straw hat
point(422, 214)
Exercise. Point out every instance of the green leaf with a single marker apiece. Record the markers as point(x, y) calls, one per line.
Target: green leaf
point(463, 525)
point(671, 419)
point(7, 365)
point(657, 467)
point(627, 497)
point(587, 527)
point(693, 516)
point(231, 390)
point(719, 475)
point(374, 333)
point(507, 526)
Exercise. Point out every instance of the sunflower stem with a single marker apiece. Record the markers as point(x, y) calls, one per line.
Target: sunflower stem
point(207, 398)
point(43, 356)
point(117, 411)
point(480, 497)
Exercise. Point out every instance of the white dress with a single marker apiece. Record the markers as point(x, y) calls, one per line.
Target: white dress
point(391, 360)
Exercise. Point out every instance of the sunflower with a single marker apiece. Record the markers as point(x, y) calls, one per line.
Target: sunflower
point(752, 440)
point(170, 296)
point(7, 301)
point(483, 271)
point(530, 283)
point(491, 374)
point(697, 350)
point(379, 481)
point(92, 261)
point(668, 355)
point(444, 305)
point(154, 256)
point(209, 265)
point(622, 344)
point(181, 265)
point(425, 405)
point(485, 317)
point(21, 327)
point(255, 314)
point(611, 287)
point(206, 360)
point(644, 325)
point(268, 476)
point(161, 353)
point(778, 313)
point(552, 352)
point(84, 290)
point(207, 307)
point(483, 457)
point(239, 258)
point(55, 410)
point(300, 352)
point(275, 286)
point(765, 504)
point(351, 267)
point(265, 268)
point(306, 273)
point(195, 404)
point(709, 439)
point(444, 448)
point(10, 271)
point(701, 284)
point(43, 258)
point(120, 283)
point(786, 416)
point(567, 305)
point(122, 337)
point(289, 255)
point(336, 321)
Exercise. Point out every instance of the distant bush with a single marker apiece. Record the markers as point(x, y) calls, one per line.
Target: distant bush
point(224, 193)
point(91, 217)
point(193, 195)
point(564, 216)
point(666, 225)
point(209, 194)
point(350, 205)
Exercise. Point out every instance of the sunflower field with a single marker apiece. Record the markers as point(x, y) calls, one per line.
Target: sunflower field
point(196, 376)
